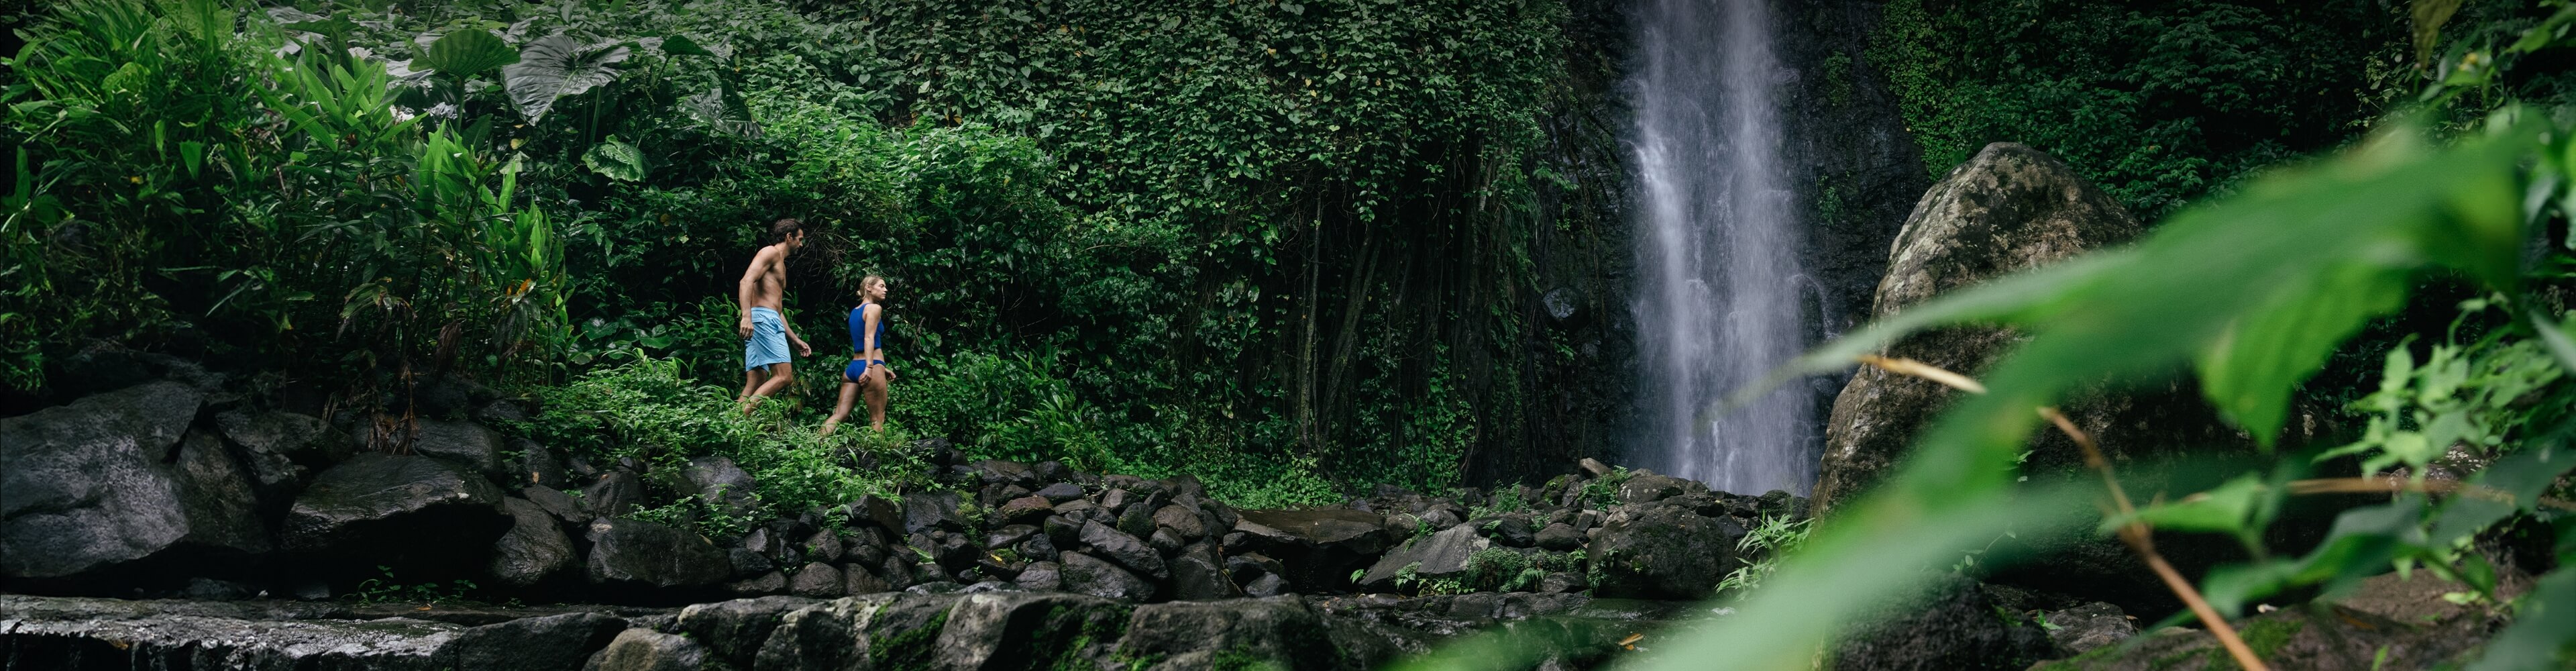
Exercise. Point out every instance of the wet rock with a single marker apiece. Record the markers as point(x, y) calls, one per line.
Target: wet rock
point(718, 482)
point(89, 485)
point(1043, 575)
point(640, 553)
point(107, 633)
point(1124, 549)
point(1660, 551)
point(1137, 520)
point(823, 546)
point(1439, 555)
point(1084, 574)
point(1247, 566)
point(772, 582)
point(1648, 487)
point(1268, 585)
point(1023, 510)
point(924, 511)
point(380, 507)
point(534, 548)
point(1320, 546)
point(1513, 531)
point(1562, 582)
point(1197, 575)
point(1950, 625)
point(857, 579)
point(1184, 521)
point(734, 630)
point(1060, 492)
point(303, 439)
point(1560, 537)
point(827, 636)
point(2093, 625)
point(1280, 632)
point(877, 510)
point(466, 443)
point(1009, 535)
point(617, 493)
point(549, 643)
point(1016, 630)
point(648, 650)
point(558, 505)
point(817, 580)
point(2307, 636)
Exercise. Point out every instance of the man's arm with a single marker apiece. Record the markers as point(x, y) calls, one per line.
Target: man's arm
point(749, 284)
point(802, 349)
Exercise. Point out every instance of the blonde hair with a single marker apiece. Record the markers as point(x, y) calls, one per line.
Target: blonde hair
point(871, 278)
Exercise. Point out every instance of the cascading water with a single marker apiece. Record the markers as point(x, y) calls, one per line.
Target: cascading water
point(1719, 304)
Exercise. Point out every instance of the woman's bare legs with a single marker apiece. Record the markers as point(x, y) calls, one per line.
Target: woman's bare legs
point(841, 410)
point(876, 393)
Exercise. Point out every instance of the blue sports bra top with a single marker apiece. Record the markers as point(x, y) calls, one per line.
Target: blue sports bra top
point(859, 321)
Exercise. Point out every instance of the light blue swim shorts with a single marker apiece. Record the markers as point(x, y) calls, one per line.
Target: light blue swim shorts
point(768, 340)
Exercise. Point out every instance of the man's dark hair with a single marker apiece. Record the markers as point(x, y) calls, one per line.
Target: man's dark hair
point(779, 230)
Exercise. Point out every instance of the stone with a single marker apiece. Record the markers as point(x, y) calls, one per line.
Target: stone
point(772, 582)
point(1016, 630)
point(562, 507)
point(1951, 624)
point(1513, 531)
point(617, 493)
point(1268, 585)
point(1247, 566)
point(1085, 574)
point(874, 509)
point(1114, 499)
point(733, 631)
point(533, 549)
point(269, 455)
point(829, 635)
point(1184, 521)
point(1439, 555)
point(1565, 582)
point(823, 546)
point(1043, 575)
point(639, 553)
point(1119, 547)
point(648, 650)
point(91, 485)
point(857, 579)
point(1164, 541)
point(1662, 551)
point(718, 482)
point(500, 410)
point(997, 471)
point(924, 511)
point(2315, 635)
point(2082, 628)
point(1197, 575)
point(1060, 492)
point(1404, 525)
point(1321, 546)
point(1009, 535)
point(1276, 632)
point(817, 580)
point(466, 443)
point(301, 438)
point(397, 510)
point(62, 633)
point(1024, 509)
point(549, 643)
point(1648, 487)
point(1137, 520)
point(1560, 537)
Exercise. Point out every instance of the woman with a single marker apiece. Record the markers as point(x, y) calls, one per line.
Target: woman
point(867, 372)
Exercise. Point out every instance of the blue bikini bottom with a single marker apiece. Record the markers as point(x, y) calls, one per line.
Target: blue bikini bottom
point(858, 368)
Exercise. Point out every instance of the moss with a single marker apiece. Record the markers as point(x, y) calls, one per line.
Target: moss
point(1239, 658)
point(1062, 645)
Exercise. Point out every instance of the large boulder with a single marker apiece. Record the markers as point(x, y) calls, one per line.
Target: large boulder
point(1320, 547)
point(826, 636)
point(1278, 632)
point(550, 643)
point(1119, 547)
point(1662, 550)
point(2011, 208)
point(466, 443)
point(1085, 574)
point(534, 548)
point(46, 633)
point(649, 650)
point(639, 553)
point(1439, 555)
point(396, 510)
point(107, 480)
point(1006, 630)
point(735, 630)
point(1951, 625)
point(718, 482)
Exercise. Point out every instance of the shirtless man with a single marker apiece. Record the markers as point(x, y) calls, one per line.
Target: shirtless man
point(764, 328)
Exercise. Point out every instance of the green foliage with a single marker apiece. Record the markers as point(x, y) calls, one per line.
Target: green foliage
point(386, 589)
point(2474, 395)
point(2158, 103)
point(1772, 540)
point(1603, 492)
point(555, 66)
point(465, 53)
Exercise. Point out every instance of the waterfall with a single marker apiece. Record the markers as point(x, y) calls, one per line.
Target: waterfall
point(1719, 279)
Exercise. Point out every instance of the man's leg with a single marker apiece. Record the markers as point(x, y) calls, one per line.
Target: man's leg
point(779, 376)
point(750, 381)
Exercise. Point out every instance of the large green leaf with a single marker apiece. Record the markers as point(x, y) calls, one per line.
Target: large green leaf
point(555, 66)
point(617, 160)
point(464, 53)
point(2257, 361)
